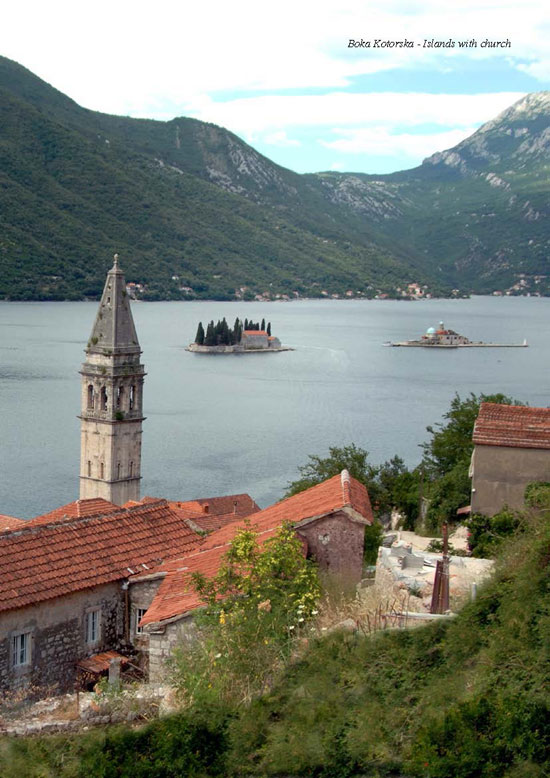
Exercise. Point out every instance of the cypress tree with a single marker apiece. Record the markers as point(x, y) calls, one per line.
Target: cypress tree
point(210, 339)
point(269, 328)
point(199, 337)
point(246, 324)
point(263, 325)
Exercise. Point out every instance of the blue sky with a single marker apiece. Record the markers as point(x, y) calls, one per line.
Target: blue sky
point(282, 76)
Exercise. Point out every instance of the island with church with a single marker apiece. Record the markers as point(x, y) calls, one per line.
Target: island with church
point(246, 337)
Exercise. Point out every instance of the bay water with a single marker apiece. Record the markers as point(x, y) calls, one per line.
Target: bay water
point(225, 424)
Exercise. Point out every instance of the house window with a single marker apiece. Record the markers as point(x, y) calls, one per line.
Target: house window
point(140, 613)
point(21, 649)
point(92, 626)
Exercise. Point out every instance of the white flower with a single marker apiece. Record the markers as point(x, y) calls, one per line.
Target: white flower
point(217, 656)
point(300, 620)
point(291, 627)
point(314, 613)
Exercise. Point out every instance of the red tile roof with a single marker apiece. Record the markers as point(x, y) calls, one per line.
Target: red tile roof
point(176, 595)
point(254, 332)
point(42, 561)
point(90, 507)
point(99, 663)
point(214, 512)
point(10, 522)
point(514, 426)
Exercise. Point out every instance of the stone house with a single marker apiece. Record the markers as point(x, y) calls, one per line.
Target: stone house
point(511, 449)
point(63, 581)
point(330, 519)
point(92, 577)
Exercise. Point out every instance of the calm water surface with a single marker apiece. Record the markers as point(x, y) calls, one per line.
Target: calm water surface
point(227, 424)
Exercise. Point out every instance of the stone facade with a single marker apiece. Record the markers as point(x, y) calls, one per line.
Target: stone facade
point(58, 635)
point(163, 642)
point(112, 400)
point(141, 594)
point(336, 543)
point(501, 473)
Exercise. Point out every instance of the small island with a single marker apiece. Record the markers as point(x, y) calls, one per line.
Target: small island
point(246, 337)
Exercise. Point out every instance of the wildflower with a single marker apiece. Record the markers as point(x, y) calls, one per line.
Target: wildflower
point(301, 619)
point(314, 613)
point(291, 626)
point(217, 656)
point(222, 617)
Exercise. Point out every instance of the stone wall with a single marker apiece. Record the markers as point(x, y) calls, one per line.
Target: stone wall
point(162, 644)
point(141, 594)
point(57, 630)
point(501, 473)
point(336, 543)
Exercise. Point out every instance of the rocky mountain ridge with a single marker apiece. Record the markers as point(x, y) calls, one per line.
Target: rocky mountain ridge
point(196, 212)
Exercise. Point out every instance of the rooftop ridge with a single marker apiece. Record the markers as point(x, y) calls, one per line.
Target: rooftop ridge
point(80, 520)
point(346, 486)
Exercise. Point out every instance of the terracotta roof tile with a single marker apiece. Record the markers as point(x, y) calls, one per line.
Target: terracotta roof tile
point(42, 561)
point(90, 507)
point(514, 426)
point(10, 522)
point(176, 596)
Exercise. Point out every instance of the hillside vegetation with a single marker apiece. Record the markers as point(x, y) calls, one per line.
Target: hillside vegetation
point(463, 698)
point(197, 213)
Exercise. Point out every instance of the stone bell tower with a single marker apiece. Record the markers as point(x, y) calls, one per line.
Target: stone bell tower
point(112, 400)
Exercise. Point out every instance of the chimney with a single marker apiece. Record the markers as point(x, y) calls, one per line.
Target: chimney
point(235, 507)
point(205, 508)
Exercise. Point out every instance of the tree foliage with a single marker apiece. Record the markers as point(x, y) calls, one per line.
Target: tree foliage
point(256, 605)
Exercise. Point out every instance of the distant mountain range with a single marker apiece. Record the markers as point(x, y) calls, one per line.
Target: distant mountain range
point(195, 212)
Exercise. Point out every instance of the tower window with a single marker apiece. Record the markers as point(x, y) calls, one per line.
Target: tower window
point(119, 396)
point(132, 397)
point(131, 469)
point(89, 468)
point(118, 470)
point(103, 398)
point(101, 470)
point(90, 397)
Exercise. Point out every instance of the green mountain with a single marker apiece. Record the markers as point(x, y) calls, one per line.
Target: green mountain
point(185, 203)
point(478, 212)
point(196, 212)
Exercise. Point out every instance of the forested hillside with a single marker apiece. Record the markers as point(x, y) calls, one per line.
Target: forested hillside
point(197, 213)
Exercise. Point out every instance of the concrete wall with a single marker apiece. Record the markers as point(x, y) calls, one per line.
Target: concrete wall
point(336, 542)
point(501, 473)
point(58, 637)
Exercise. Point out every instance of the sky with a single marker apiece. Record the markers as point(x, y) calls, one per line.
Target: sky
point(283, 75)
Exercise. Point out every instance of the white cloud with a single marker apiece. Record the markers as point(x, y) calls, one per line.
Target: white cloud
point(250, 116)
point(380, 141)
point(134, 57)
point(280, 138)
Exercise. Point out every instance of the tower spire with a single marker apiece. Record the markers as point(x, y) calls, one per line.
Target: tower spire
point(112, 394)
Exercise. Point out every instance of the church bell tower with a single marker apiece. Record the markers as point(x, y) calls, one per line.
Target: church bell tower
point(112, 400)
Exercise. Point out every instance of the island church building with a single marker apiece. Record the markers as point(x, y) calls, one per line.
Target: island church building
point(106, 578)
